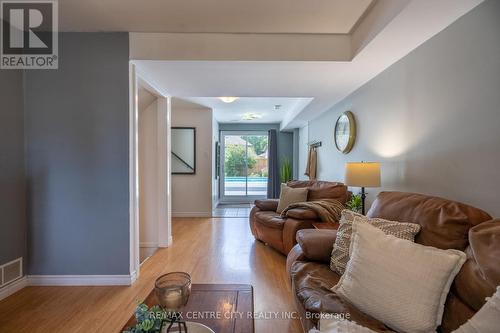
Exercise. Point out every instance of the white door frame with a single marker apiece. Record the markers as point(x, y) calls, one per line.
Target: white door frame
point(164, 166)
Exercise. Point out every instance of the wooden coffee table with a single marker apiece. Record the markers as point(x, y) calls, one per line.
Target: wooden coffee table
point(209, 301)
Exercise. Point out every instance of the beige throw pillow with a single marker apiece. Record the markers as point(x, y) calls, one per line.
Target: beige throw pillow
point(290, 195)
point(400, 283)
point(340, 252)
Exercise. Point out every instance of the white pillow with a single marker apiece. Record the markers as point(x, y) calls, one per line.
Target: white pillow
point(340, 326)
point(400, 283)
point(486, 320)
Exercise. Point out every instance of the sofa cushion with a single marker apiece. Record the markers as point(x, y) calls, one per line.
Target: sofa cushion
point(455, 314)
point(322, 189)
point(445, 224)
point(317, 244)
point(311, 282)
point(269, 219)
point(480, 274)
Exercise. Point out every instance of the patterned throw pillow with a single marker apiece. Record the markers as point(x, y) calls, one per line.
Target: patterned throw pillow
point(340, 253)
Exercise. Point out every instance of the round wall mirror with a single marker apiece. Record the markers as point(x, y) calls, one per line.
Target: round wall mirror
point(345, 132)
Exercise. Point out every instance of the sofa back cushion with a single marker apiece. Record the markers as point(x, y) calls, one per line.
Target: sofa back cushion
point(445, 223)
point(481, 273)
point(322, 189)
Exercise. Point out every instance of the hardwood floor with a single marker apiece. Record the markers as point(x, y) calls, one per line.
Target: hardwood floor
point(212, 250)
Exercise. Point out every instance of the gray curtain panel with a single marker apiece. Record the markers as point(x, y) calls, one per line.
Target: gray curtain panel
point(273, 181)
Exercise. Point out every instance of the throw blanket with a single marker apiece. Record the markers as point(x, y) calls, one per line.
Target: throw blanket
point(328, 210)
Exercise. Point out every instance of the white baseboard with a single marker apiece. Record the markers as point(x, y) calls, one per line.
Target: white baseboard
point(81, 280)
point(191, 214)
point(13, 287)
point(66, 280)
point(133, 277)
point(148, 244)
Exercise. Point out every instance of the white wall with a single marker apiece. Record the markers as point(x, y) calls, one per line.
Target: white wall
point(192, 194)
point(148, 164)
point(432, 119)
point(303, 151)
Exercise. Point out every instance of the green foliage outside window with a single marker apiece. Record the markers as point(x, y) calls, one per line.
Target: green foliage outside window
point(235, 156)
point(258, 142)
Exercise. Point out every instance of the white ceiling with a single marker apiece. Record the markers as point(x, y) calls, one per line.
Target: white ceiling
point(226, 16)
point(325, 82)
point(263, 107)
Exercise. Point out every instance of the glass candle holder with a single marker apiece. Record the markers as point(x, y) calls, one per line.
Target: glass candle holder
point(173, 290)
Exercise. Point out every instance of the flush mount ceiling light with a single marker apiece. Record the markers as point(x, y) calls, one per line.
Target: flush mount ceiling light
point(228, 99)
point(251, 116)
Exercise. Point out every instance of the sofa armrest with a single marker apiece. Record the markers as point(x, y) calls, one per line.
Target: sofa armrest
point(317, 245)
point(302, 214)
point(293, 256)
point(267, 204)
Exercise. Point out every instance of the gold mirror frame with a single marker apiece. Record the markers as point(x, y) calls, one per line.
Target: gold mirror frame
point(352, 132)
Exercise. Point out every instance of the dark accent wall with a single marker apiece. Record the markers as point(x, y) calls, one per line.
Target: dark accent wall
point(285, 139)
point(77, 132)
point(12, 184)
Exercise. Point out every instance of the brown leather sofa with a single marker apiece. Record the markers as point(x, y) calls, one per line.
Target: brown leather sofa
point(445, 224)
point(279, 233)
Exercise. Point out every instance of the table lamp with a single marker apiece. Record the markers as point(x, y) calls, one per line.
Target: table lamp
point(362, 174)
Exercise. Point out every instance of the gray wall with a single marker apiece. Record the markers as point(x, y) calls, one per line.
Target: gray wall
point(433, 118)
point(285, 139)
point(76, 122)
point(12, 182)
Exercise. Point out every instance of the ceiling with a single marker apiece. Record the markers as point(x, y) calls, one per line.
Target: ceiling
point(262, 109)
point(210, 16)
point(318, 85)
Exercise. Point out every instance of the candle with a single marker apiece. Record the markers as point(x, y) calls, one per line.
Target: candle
point(172, 300)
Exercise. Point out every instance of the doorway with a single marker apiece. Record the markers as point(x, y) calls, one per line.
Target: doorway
point(244, 166)
point(149, 144)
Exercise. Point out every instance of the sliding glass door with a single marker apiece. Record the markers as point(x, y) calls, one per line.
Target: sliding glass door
point(244, 166)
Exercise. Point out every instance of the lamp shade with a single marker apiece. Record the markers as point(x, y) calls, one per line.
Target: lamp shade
point(362, 174)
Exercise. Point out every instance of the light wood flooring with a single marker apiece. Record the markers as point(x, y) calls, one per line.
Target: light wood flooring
point(232, 210)
point(212, 250)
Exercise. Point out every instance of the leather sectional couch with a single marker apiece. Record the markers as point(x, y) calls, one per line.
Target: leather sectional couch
point(445, 224)
point(279, 233)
